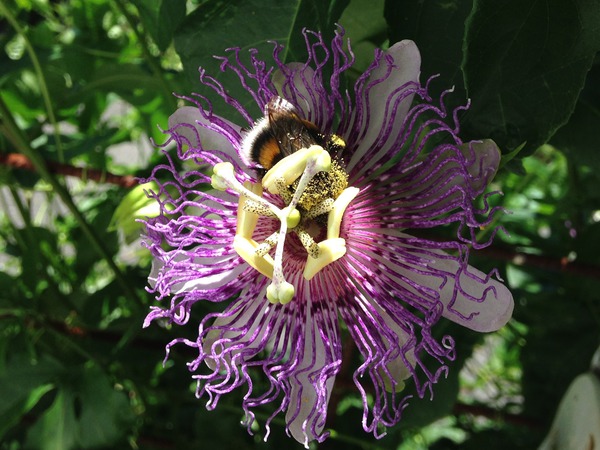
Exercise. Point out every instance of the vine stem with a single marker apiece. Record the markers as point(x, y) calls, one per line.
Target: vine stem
point(20, 161)
point(40, 76)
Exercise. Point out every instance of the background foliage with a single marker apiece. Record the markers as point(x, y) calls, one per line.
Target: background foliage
point(83, 86)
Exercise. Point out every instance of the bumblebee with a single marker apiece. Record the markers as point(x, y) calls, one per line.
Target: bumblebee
point(282, 132)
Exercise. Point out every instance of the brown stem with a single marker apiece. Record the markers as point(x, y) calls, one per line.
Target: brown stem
point(22, 162)
point(541, 261)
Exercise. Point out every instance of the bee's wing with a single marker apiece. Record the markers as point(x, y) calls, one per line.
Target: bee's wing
point(291, 132)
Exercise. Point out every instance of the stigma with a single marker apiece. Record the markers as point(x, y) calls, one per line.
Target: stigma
point(314, 189)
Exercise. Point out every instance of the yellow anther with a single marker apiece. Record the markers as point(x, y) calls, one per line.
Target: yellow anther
point(322, 208)
point(282, 293)
point(246, 220)
point(334, 219)
point(308, 242)
point(292, 166)
point(246, 248)
point(330, 250)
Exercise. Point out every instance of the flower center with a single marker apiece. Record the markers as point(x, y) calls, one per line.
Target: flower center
point(314, 190)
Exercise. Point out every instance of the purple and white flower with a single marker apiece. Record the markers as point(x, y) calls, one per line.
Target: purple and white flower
point(292, 278)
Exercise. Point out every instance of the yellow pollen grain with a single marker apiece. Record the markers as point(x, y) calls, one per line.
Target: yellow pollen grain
point(324, 185)
point(337, 141)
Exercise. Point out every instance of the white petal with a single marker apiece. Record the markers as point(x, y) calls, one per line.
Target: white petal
point(397, 367)
point(407, 68)
point(427, 185)
point(209, 282)
point(157, 265)
point(201, 282)
point(206, 134)
point(304, 399)
point(297, 86)
point(465, 302)
point(492, 313)
point(485, 156)
point(235, 327)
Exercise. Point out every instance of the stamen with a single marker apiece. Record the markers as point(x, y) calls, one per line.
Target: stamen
point(334, 220)
point(246, 248)
point(330, 250)
point(322, 208)
point(258, 208)
point(243, 243)
point(266, 245)
point(334, 247)
point(294, 165)
point(308, 242)
point(247, 219)
point(312, 160)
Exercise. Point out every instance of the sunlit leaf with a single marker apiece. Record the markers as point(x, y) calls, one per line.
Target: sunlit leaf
point(525, 64)
point(161, 18)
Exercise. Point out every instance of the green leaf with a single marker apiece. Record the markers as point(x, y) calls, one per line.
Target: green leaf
point(216, 26)
point(56, 429)
point(507, 157)
point(367, 30)
point(424, 23)
point(525, 64)
point(86, 413)
point(23, 382)
point(562, 322)
point(579, 138)
point(100, 212)
point(161, 18)
point(105, 412)
point(314, 15)
point(130, 81)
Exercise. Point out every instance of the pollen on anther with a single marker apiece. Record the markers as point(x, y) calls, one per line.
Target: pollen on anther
point(258, 208)
point(324, 185)
point(308, 243)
